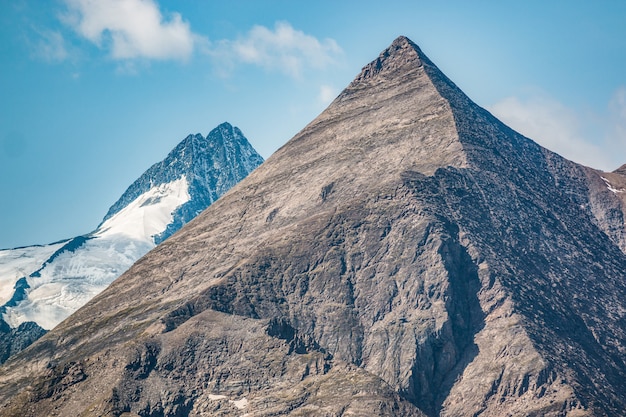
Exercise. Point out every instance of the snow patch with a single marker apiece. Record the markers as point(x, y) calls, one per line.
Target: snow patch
point(610, 187)
point(21, 262)
point(149, 214)
point(240, 404)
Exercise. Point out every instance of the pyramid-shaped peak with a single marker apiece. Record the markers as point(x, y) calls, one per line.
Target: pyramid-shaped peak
point(402, 43)
point(223, 126)
point(401, 55)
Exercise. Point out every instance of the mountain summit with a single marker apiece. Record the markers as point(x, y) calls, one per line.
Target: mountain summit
point(402, 57)
point(405, 254)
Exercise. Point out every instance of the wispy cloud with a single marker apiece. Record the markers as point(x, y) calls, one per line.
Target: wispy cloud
point(327, 94)
point(595, 140)
point(132, 29)
point(48, 45)
point(617, 112)
point(283, 49)
point(134, 32)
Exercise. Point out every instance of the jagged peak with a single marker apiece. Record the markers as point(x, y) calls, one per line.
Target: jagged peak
point(401, 54)
point(183, 160)
point(224, 125)
point(222, 130)
point(187, 143)
point(219, 130)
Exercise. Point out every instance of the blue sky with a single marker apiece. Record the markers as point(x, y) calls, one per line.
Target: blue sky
point(92, 92)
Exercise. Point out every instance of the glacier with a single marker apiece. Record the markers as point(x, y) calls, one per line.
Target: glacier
point(21, 262)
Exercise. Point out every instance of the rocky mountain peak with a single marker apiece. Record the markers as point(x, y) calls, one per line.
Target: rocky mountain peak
point(211, 165)
point(401, 55)
point(223, 141)
point(226, 128)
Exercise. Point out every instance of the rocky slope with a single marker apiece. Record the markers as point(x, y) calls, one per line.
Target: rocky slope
point(607, 191)
point(42, 285)
point(405, 254)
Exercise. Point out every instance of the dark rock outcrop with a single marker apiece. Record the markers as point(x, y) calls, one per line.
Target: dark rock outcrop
point(15, 340)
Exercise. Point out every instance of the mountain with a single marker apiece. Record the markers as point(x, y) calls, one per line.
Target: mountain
point(405, 254)
point(45, 284)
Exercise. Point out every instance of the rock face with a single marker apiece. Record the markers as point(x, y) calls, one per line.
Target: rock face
point(406, 254)
point(607, 192)
point(45, 284)
point(15, 340)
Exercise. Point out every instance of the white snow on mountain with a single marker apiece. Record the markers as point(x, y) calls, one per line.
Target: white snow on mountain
point(148, 214)
point(610, 187)
point(21, 262)
point(75, 276)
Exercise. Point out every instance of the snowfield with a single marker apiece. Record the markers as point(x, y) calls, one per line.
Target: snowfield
point(21, 262)
point(74, 277)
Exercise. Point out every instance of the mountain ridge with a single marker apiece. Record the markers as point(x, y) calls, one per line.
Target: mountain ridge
point(405, 243)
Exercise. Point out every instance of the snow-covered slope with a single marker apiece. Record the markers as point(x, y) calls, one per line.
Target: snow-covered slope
point(21, 262)
point(73, 277)
point(45, 284)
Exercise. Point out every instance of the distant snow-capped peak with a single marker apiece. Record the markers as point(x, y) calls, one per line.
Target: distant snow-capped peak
point(45, 284)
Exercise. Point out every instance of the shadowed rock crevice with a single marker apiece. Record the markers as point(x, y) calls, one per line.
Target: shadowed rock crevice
point(58, 378)
point(443, 355)
point(236, 364)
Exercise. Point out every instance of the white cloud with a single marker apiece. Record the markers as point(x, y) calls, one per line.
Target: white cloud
point(556, 127)
point(284, 49)
point(49, 46)
point(132, 29)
